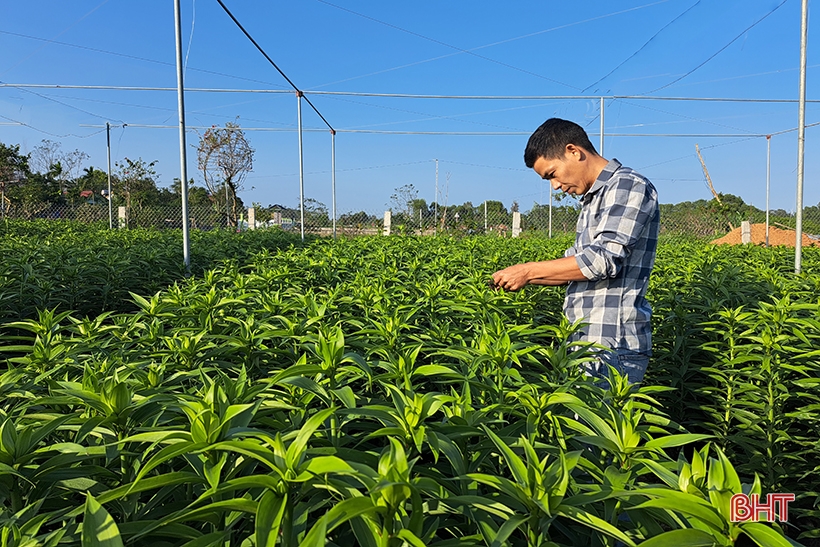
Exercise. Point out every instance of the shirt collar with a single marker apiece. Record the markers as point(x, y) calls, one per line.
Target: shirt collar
point(605, 175)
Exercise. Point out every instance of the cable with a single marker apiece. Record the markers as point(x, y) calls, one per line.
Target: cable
point(190, 40)
point(608, 74)
point(414, 95)
point(718, 52)
point(24, 59)
point(46, 97)
point(135, 57)
point(531, 34)
point(684, 116)
point(439, 42)
point(15, 122)
point(262, 51)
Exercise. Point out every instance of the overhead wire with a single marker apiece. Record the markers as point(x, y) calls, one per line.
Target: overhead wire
point(262, 51)
point(507, 40)
point(622, 63)
point(49, 133)
point(46, 97)
point(138, 58)
point(719, 51)
point(72, 25)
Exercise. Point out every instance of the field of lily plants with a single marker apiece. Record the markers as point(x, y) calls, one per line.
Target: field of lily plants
point(376, 392)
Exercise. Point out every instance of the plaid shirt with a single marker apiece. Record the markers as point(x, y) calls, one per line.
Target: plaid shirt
point(615, 243)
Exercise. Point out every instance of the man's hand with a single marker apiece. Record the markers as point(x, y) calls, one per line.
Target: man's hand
point(513, 278)
point(549, 272)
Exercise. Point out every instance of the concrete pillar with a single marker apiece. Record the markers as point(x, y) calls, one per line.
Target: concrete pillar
point(251, 218)
point(121, 215)
point(745, 232)
point(516, 227)
point(387, 218)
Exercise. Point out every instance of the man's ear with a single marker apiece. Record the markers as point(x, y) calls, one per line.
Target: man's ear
point(575, 152)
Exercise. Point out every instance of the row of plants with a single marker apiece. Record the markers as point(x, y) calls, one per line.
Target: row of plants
point(376, 392)
point(89, 269)
point(736, 336)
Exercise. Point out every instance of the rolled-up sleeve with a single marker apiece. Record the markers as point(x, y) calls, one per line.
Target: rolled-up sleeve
point(625, 210)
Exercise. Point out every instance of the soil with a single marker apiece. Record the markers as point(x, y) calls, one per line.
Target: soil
point(777, 236)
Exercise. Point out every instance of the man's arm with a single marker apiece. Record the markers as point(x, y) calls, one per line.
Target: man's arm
point(549, 272)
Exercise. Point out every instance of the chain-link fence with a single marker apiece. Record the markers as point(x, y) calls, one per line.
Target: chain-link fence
point(701, 219)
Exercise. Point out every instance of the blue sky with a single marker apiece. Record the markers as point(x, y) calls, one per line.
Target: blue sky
point(646, 48)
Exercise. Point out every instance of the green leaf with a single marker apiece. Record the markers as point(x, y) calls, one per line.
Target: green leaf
point(515, 464)
point(681, 538)
point(676, 440)
point(507, 529)
point(297, 447)
point(269, 518)
point(409, 537)
point(99, 529)
point(682, 502)
point(764, 536)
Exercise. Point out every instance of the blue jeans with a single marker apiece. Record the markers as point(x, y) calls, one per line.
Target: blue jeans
point(626, 361)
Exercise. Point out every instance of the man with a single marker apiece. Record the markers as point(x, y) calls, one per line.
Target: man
point(607, 269)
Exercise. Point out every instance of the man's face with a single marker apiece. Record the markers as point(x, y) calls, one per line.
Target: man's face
point(568, 174)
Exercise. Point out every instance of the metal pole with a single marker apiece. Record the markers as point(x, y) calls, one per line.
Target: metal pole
point(301, 166)
point(183, 159)
point(333, 176)
point(110, 196)
point(801, 137)
point(435, 204)
point(768, 181)
point(485, 216)
point(550, 223)
point(601, 146)
point(227, 209)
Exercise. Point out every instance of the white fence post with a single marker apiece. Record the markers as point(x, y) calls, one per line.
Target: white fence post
point(516, 227)
point(251, 218)
point(121, 215)
point(745, 232)
point(387, 218)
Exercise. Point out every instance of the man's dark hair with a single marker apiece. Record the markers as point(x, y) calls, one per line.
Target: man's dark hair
point(550, 140)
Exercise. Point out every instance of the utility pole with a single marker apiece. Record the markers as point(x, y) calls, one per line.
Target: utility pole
point(110, 197)
point(183, 158)
point(801, 137)
point(301, 166)
point(768, 181)
point(435, 204)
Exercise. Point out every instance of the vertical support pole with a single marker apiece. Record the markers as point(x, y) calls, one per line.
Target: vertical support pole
point(435, 205)
point(801, 137)
point(485, 216)
point(745, 232)
point(252, 218)
point(387, 223)
point(183, 161)
point(333, 175)
point(768, 181)
point(227, 208)
point(110, 196)
point(516, 224)
point(550, 223)
point(301, 166)
point(601, 145)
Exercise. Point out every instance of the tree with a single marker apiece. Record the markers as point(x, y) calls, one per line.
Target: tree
point(403, 198)
point(197, 195)
point(135, 184)
point(65, 167)
point(13, 169)
point(225, 157)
